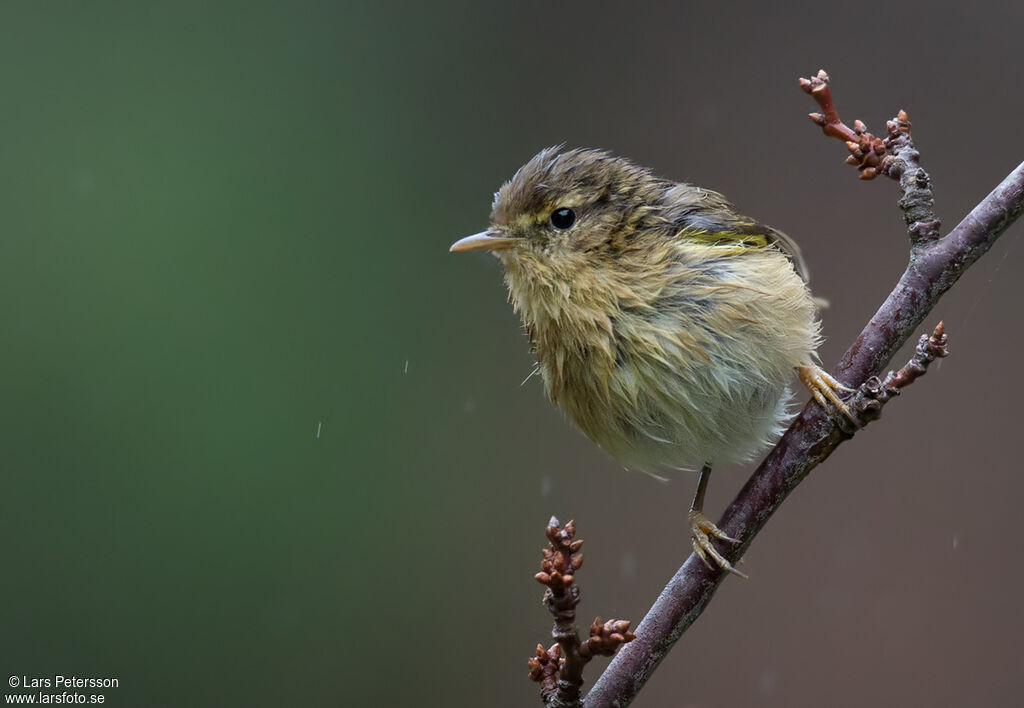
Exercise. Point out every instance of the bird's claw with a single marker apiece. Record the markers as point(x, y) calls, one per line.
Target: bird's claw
point(700, 532)
point(825, 390)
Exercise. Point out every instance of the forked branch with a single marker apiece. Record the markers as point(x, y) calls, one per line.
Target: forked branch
point(559, 669)
point(935, 265)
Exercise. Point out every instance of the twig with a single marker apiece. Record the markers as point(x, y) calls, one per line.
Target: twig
point(874, 393)
point(935, 265)
point(894, 156)
point(559, 669)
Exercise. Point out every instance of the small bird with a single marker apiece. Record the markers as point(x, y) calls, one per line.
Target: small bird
point(665, 324)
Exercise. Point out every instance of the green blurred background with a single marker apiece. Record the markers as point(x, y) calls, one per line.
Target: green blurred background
point(264, 439)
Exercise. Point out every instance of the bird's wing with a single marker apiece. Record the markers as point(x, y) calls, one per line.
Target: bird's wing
point(712, 219)
point(778, 239)
point(749, 232)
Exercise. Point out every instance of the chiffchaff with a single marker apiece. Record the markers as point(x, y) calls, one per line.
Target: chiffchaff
point(665, 324)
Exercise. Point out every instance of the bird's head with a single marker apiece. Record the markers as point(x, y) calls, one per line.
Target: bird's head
point(565, 210)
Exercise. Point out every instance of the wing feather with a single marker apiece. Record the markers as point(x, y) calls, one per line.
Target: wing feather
point(712, 219)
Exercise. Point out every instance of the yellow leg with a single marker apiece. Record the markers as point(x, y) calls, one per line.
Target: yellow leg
point(825, 390)
point(701, 529)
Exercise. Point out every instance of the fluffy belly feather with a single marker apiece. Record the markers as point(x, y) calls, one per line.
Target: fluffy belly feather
point(652, 420)
point(701, 376)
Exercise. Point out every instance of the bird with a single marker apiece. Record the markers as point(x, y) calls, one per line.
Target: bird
point(665, 324)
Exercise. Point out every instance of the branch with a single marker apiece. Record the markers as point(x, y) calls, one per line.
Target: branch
point(874, 393)
point(894, 156)
point(559, 669)
point(935, 265)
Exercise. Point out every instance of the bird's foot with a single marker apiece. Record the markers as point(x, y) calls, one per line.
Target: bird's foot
point(700, 531)
point(825, 390)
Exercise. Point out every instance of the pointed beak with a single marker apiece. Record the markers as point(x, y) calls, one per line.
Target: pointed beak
point(490, 240)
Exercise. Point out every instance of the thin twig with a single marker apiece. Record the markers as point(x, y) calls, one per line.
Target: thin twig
point(559, 669)
point(935, 265)
point(874, 393)
point(893, 156)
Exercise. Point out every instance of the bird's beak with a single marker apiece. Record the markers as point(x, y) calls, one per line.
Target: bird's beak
point(490, 240)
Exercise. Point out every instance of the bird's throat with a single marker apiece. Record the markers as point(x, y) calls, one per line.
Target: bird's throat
point(571, 323)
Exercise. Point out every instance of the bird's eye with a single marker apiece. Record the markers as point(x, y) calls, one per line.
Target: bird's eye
point(563, 218)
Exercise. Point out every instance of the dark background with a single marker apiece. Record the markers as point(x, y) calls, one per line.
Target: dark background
point(225, 228)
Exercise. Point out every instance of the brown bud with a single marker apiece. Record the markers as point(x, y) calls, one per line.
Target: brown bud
point(817, 118)
point(852, 147)
point(868, 173)
point(576, 545)
point(851, 160)
point(859, 127)
point(805, 84)
point(902, 115)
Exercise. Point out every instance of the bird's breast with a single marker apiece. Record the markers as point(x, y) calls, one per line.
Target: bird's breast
point(687, 370)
